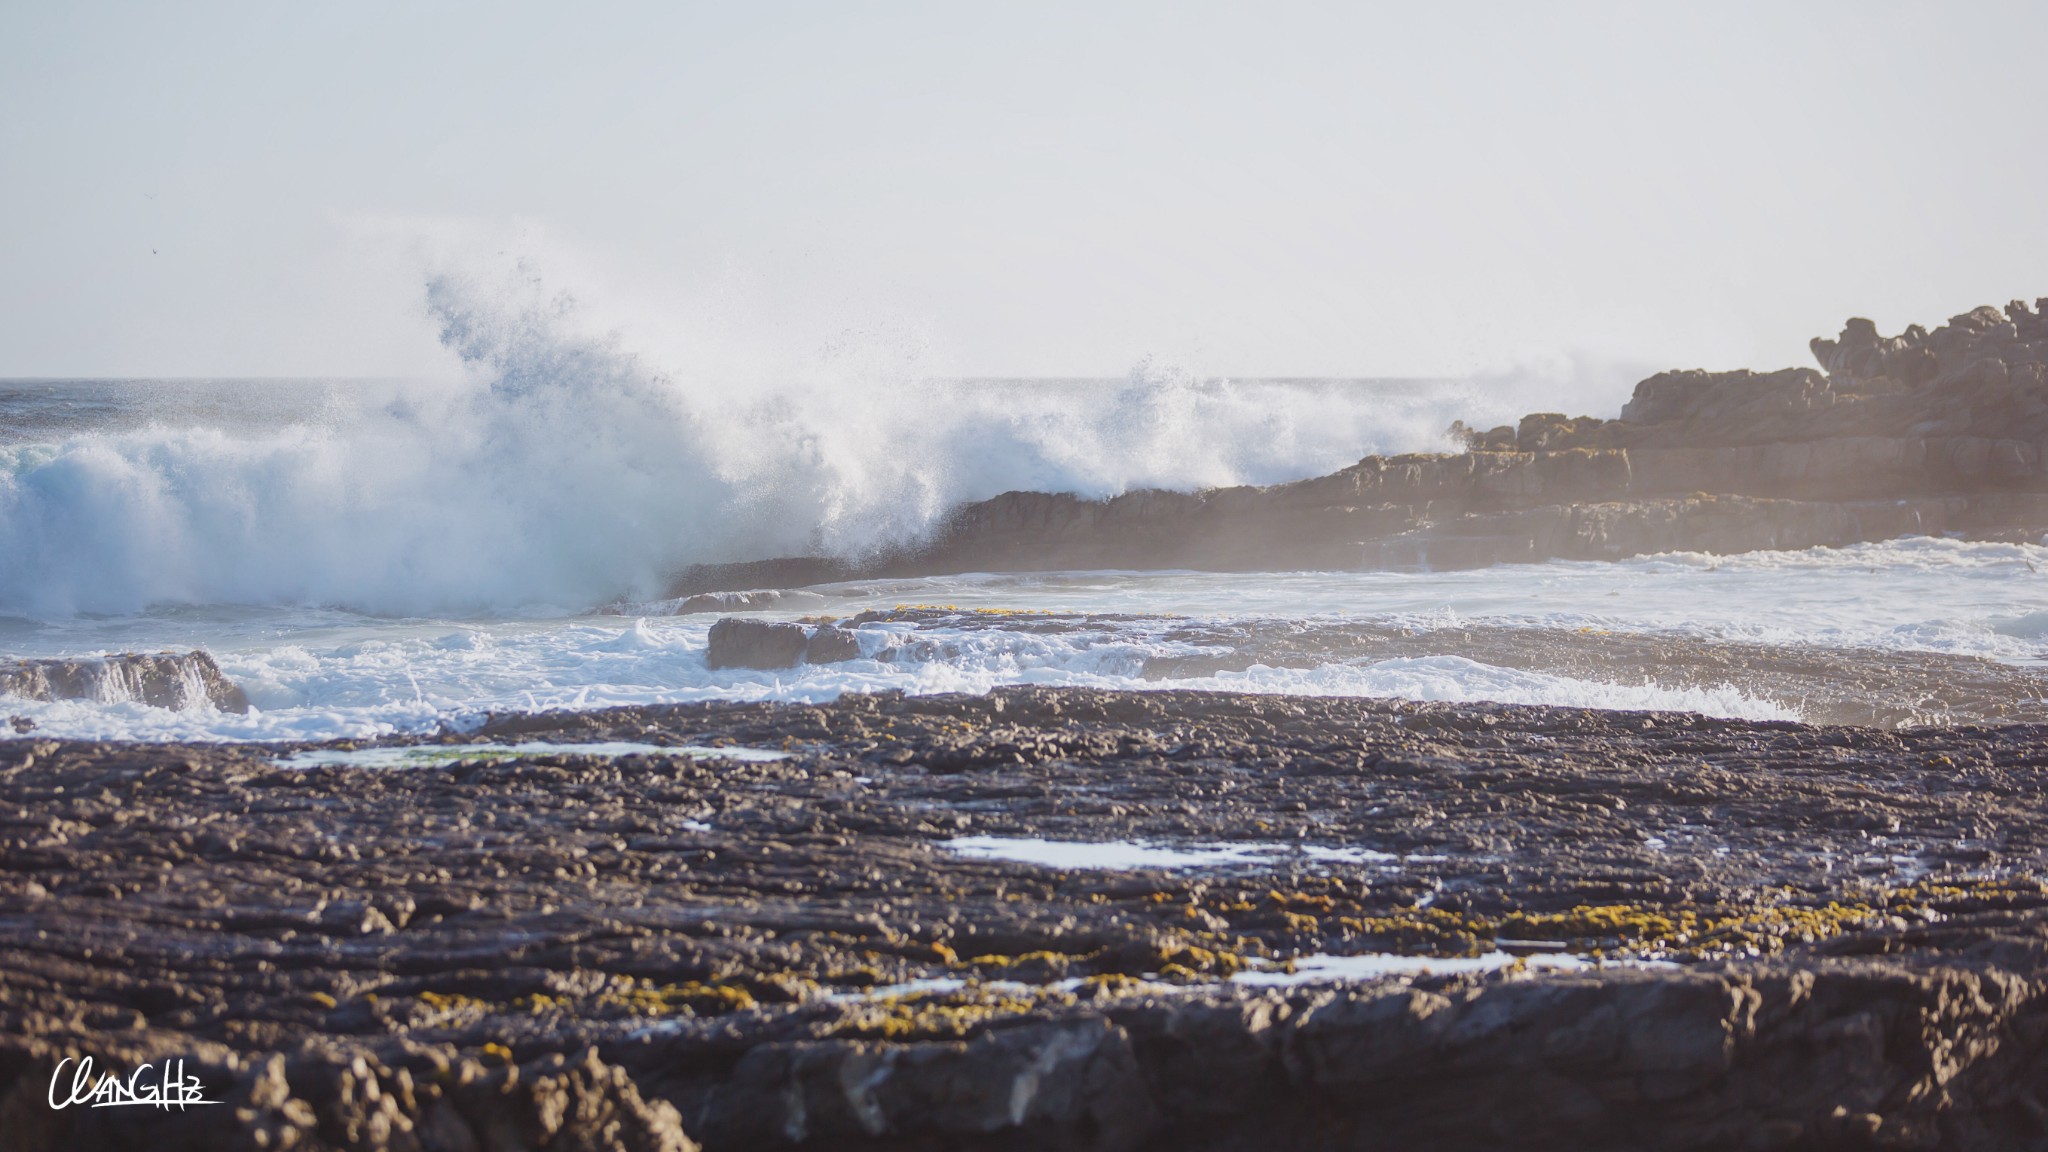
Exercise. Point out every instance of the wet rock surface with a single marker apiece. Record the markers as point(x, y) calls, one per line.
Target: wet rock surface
point(579, 952)
point(739, 642)
point(831, 645)
point(159, 679)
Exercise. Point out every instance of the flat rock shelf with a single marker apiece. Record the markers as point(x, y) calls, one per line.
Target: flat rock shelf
point(1672, 931)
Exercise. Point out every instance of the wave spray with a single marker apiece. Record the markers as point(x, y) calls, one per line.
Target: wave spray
point(564, 469)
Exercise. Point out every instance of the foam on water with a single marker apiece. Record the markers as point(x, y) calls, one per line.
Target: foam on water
point(1919, 593)
point(1455, 678)
point(565, 470)
point(376, 559)
point(422, 755)
point(316, 673)
point(368, 678)
point(1325, 969)
point(1131, 855)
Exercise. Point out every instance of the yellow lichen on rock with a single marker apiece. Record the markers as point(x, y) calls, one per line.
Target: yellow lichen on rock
point(929, 1015)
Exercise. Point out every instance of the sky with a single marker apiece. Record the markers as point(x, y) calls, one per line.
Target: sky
point(1031, 189)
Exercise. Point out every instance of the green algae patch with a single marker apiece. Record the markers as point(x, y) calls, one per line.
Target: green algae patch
point(943, 1015)
point(1108, 985)
point(1954, 897)
point(1686, 932)
point(1329, 918)
point(1423, 932)
point(646, 998)
point(699, 999)
point(1039, 966)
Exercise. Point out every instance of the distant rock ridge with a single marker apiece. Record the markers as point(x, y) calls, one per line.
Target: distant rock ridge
point(1927, 432)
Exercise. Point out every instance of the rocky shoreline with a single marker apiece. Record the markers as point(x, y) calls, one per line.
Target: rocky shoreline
point(1926, 433)
point(1773, 934)
point(1063, 918)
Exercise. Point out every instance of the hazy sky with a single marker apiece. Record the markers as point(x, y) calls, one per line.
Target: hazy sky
point(1034, 188)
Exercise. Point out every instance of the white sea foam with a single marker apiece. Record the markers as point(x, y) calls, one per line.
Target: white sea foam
point(1455, 678)
point(1919, 593)
point(1130, 855)
point(1325, 969)
point(423, 755)
point(566, 470)
point(393, 559)
point(375, 677)
point(315, 673)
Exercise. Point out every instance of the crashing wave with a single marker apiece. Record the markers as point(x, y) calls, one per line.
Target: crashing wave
point(565, 470)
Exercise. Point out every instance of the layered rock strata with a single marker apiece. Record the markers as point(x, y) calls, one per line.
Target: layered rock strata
point(573, 952)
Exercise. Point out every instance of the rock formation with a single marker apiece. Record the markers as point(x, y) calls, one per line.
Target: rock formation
point(581, 952)
point(740, 643)
point(1921, 433)
point(737, 642)
point(159, 679)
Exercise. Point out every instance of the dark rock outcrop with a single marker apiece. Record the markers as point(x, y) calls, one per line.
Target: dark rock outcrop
point(783, 572)
point(1922, 433)
point(737, 642)
point(831, 645)
point(731, 600)
point(1836, 1056)
point(159, 679)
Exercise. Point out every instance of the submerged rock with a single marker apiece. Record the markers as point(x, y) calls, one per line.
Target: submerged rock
point(159, 679)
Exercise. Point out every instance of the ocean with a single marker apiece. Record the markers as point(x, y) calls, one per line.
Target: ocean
point(376, 557)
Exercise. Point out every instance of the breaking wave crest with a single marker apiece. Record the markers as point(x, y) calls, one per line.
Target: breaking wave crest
point(565, 469)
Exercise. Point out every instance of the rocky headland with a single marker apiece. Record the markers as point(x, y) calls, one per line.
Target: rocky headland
point(1923, 433)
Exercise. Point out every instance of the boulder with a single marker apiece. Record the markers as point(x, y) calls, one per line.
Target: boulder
point(159, 679)
point(831, 645)
point(738, 643)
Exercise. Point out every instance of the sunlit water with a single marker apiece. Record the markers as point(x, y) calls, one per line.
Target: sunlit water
point(353, 590)
point(326, 672)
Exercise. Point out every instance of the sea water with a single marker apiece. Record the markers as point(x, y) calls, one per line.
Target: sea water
point(377, 557)
point(313, 672)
